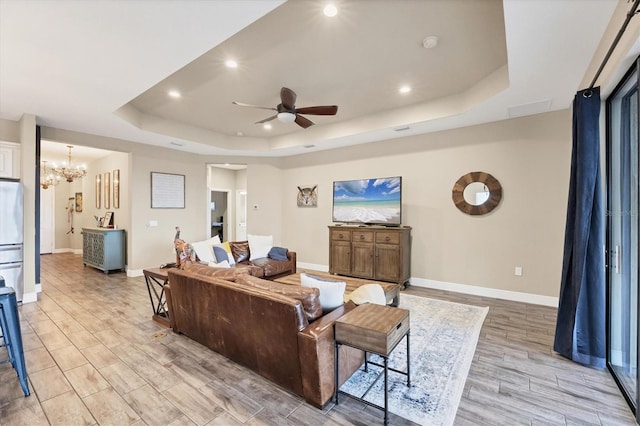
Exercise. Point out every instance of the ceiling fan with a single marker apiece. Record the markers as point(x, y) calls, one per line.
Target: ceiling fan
point(287, 111)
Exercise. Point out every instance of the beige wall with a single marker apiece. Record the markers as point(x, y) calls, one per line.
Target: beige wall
point(529, 156)
point(150, 246)
point(266, 212)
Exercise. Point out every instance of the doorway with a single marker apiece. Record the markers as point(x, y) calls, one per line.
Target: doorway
point(622, 236)
point(227, 185)
point(219, 214)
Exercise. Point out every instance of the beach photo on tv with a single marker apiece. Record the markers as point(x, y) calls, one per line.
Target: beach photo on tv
point(368, 201)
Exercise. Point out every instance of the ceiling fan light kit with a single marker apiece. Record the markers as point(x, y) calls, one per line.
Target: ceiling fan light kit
point(286, 117)
point(288, 113)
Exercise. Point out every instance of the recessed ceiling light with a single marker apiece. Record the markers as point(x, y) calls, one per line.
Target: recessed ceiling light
point(267, 126)
point(330, 10)
point(404, 89)
point(174, 94)
point(430, 42)
point(239, 134)
point(230, 63)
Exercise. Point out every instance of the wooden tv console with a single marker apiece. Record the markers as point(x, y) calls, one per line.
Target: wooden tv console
point(374, 252)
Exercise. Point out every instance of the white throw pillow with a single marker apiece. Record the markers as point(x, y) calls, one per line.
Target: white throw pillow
point(204, 251)
point(331, 292)
point(259, 245)
point(223, 264)
point(368, 293)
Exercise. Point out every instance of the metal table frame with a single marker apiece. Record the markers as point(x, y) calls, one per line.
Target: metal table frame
point(385, 373)
point(155, 279)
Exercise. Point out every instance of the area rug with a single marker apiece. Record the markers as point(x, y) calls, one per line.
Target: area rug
point(443, 340)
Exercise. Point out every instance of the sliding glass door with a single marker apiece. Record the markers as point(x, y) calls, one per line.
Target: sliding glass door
point(622, 236)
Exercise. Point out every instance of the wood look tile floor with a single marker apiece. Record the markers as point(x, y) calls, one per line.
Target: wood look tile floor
point(94, 356)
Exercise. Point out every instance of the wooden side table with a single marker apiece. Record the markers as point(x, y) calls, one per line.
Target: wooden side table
point(377, 329)
point(156, 279)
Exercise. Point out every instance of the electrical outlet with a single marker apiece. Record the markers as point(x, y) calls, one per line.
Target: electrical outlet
point(518, 271)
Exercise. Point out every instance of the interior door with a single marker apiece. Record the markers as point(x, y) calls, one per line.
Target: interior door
point(622, 236)
point(241, 215)
point(47, 228)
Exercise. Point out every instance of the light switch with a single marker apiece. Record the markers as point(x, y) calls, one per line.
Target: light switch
point(153, 223)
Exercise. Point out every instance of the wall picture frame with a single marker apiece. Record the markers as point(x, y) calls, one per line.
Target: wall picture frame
point(107, 190)
point(167, 190)
point(98, 190)
point(79, 202)
point(116, 189)
point(307, 196)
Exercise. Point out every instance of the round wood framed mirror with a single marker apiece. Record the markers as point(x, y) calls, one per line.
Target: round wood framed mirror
point(476, 193)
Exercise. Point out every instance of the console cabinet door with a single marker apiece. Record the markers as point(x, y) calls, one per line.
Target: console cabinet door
point(378, 253)
point(362, 260)
point(387, 262)
point(340, 257)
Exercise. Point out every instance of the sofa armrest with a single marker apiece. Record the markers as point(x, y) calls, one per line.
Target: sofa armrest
point(291, 255)
point(316, 344)
point(170, 310)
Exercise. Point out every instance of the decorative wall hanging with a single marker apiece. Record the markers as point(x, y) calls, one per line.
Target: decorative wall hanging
point(116, 189)
point(79, 202)
point(98, 190)
point(308, 196)
point(476, 193)
point(167, 191)
point(107, 190)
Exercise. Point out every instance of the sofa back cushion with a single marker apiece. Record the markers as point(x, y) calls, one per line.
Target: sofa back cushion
point(240, 250)
point(309, 297)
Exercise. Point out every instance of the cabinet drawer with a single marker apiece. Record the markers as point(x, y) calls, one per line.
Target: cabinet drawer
point(339, 235)
point(388, 237)
point(363, 236)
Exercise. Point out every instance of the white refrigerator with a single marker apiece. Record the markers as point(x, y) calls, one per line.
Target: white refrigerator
point(11, 235)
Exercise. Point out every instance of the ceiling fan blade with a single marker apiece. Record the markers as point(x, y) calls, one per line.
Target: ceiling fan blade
point(252, 106)
point(319, 110)
point(303, 121)
point(266, 119)
point(288, 98)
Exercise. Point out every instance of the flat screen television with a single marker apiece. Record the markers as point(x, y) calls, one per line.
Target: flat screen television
point(368, 201)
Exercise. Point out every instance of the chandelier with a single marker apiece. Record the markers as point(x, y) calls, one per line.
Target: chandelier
point(47, 178)
point(68, 171)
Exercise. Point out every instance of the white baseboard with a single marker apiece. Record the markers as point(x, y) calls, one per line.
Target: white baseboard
point(30, 297)
point(312, 266)
point(67, 250)
point(38, 288)
point(495, 293)
point(134, 272)
point(62, 250)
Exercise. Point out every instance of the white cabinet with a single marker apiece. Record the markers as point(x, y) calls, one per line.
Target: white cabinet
point(9, 160)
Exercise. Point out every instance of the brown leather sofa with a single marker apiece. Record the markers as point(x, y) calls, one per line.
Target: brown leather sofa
point(270, 268)
point(276, 330)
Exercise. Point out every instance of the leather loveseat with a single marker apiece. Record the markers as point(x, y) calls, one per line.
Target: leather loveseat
point(270, 268)
point(276, 330)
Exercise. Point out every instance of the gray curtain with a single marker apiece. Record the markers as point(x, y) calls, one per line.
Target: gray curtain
point(580, 328)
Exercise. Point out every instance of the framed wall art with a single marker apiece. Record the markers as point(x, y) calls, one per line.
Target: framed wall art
point(98, 190)
point(116, 189)
point(79, 202)
point(167, 191)
point(107, 190)
point(307, 196)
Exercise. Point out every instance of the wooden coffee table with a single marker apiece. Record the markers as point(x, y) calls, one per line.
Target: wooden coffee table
point(391, 290)
point(377, 329)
